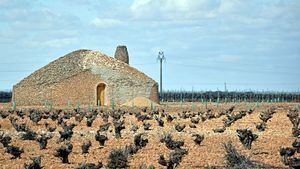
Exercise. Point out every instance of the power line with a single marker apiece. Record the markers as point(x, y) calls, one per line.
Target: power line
point(203, 67)
point(8, 71)
point(13, 71)
point(21, 62)
point(176, 63)
point(227, 84)
point(144, 64)
point(197, 59)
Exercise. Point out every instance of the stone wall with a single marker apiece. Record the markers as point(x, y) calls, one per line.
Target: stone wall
point(80, 88)
point(120, 88)
point(75, 76)
point(154, 93)
point(31, 95)
point(124, 86)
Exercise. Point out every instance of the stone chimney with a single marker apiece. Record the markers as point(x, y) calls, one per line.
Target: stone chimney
point(122, 54)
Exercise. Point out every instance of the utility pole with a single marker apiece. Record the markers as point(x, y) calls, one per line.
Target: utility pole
point(161, 58)
point(225, 87)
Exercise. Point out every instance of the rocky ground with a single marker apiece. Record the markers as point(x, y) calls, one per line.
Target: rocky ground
point(209, 153)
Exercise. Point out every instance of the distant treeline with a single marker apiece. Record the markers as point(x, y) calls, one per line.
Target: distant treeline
point(5, 97)
point(232, 96)
point(213, 96)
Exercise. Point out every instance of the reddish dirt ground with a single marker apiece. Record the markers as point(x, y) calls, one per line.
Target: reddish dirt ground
point(211, 152)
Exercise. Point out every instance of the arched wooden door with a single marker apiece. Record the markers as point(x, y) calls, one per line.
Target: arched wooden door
point(101, 94)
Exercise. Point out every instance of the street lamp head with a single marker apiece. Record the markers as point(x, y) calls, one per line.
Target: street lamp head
point(161, 56)
point(160, 53)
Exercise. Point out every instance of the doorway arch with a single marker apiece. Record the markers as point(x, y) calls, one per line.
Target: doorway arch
point(101, 94)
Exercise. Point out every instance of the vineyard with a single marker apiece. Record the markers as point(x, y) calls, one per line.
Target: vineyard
point(211, 96)
point(5, 97)
point(221, 96)
point(228, 135)
point(150, 84)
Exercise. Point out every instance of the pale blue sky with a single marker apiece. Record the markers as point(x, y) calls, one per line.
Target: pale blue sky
point(249, 44)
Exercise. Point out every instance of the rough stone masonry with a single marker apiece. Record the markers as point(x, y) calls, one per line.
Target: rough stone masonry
point(122, 54)
point(75, 78)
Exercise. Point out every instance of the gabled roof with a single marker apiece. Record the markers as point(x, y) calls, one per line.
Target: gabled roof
point(77, 62)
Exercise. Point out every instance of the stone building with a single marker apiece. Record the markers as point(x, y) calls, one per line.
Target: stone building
point(87, 77)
